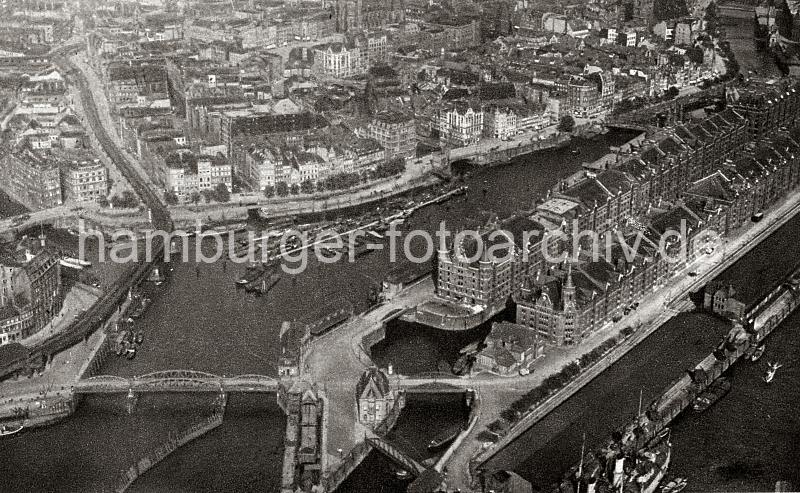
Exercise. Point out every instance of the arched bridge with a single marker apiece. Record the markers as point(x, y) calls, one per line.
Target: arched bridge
point(176, 381)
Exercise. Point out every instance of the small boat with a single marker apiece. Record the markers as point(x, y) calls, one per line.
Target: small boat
point(253, 273)
point(130, 353)
point(712, 394)
point(361, 250)
point(757, 216)
point(575, 151)
point(156, 276)
point(6, 430)
point(139, 337)
point(674, 486)
point(758, 353)
point(773, 367)
point(445, 437)
point(400, 473)
point(460, 190)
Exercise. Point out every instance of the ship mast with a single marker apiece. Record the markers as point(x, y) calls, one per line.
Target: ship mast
point(640, 404)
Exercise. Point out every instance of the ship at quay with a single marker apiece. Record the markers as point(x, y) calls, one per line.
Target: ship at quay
point(271, 128)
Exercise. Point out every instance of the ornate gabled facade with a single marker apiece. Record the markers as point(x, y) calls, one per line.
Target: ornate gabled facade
point(375, 397)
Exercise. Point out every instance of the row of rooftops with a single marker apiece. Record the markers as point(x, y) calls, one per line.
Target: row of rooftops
point(246, 123)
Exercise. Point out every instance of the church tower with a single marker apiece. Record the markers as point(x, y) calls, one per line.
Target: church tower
point(570, 307)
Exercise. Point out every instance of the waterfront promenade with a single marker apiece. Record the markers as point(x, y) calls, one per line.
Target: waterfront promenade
point(653, 312)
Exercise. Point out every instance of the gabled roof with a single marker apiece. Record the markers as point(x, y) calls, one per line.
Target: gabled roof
point(716, 186)
point(588, 192)
point(373, 384)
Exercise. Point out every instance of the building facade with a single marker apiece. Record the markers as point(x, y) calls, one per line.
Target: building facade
point(30, 293)
point(85, 181)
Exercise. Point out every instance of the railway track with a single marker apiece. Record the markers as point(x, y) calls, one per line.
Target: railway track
point(97, 315)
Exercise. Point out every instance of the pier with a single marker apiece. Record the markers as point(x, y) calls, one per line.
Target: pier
point(172, 444)
point(763, 319)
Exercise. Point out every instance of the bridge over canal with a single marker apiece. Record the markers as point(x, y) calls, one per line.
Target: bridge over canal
point(176, 381)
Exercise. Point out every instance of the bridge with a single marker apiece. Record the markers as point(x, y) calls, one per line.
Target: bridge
point(425, 479)
point(396, 455)
point(175, 381)
point(421, 386)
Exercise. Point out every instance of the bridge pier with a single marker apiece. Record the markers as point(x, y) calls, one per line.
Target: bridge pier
point(131, 401)
point(222, 399)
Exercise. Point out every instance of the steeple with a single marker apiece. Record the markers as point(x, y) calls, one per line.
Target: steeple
point(568, 291)
point(569, 284)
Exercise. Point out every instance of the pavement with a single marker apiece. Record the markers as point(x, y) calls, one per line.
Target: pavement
point(653, 312)
point(55, 381)
point(104, 114)
point(338, 359)
point(76, 301)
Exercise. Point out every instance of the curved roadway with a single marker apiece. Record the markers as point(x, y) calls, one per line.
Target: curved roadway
point(96, 316)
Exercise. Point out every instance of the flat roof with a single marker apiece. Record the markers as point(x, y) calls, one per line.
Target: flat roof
point(558, 206)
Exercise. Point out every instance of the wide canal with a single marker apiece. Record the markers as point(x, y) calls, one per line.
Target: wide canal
point(199, 321)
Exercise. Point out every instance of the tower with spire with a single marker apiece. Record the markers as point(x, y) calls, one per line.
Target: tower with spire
point(570, 306)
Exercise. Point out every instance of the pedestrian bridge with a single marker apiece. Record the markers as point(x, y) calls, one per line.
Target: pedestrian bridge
point(176, 381)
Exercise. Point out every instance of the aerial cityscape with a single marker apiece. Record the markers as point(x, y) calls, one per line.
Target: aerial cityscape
point(399, 246)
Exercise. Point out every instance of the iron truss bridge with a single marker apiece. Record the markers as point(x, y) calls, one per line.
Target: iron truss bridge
point(176, 381)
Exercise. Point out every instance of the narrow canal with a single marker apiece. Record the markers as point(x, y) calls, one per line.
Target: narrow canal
point(199, 321)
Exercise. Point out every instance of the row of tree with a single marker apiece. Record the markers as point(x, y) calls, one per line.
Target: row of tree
point(339, 181)
point(219, 194)
point(559, 380)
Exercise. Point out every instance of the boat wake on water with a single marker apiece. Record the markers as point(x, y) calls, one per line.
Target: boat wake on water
point(773, 368)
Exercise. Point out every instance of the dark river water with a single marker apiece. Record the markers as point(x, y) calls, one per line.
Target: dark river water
point(199, 321)
point(707, 445)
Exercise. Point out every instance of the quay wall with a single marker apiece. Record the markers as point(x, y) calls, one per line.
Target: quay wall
point(161, 452)
point(474, 413)
point(681, 393)
point(503, 155)
point(455, 322)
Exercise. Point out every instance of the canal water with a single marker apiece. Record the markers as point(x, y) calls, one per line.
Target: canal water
point(199, 321)
point(424, 417)
point(546, 451)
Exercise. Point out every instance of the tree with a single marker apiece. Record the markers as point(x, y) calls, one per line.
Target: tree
point(664, 10)
point(566, 124)
point(195, 197)
point(672, 92)
point(170, 197)
point(221, 193)
point(269, 191)
point(307, 186)
point(208, 195)
point(711, 17)
point(295, 189)
point(127, 200)
point(695, 55)
point(282, 189)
